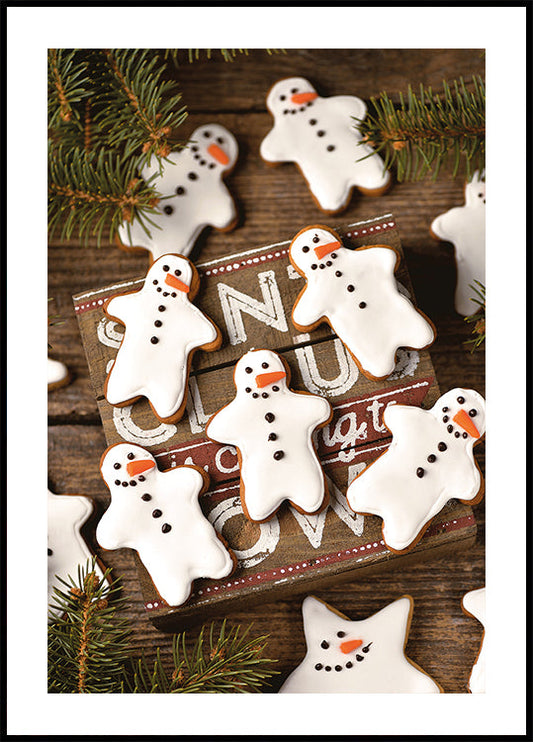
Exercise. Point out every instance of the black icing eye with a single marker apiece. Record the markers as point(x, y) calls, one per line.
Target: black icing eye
point(248, 370)
point(340, 634)
point(282, 97)
point(180, 190)
point(168, 210)
point(116, 466)
point(472, 413)
point(294, 90)
point(316, 239)
point(166, 268)
point(481, 195)
point(445, 409)
point(131, 456)
point(305, 248)
point(207, 134)
point(325, 644)
point(461, 400)
point(264, 365)
point(177, 272)
point(220, 140)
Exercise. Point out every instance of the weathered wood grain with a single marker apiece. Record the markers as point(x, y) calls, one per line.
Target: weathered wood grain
point(274, 203)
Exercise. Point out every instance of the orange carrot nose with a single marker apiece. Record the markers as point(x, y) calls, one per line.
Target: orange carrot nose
point(350, 645)
point(322, 250)
point(218, 154)
point(303, 97)
point(265, 379)
point(176, 283)
point(465, 421)
point(138, 467)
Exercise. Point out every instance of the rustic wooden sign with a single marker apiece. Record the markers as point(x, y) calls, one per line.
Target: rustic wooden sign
point(250, 297)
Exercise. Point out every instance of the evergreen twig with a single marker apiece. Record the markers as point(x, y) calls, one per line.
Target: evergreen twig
point(423, 132)
point(89, 645)
point(228, 663)
point(477, 318)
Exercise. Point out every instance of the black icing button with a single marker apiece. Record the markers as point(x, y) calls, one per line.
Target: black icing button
point(269, 417)
point(279, 455)
point(338, 274)
point(161, 308)
point(320, 133)
point(362, 304)
point(272, 437)
point(180, 190)
point(420, 472)
point(350, 288)
point(330, 147)
point(146, 497)
point(442, 446)
point(432, 458)
point(192, 176)
point(166, 527)
point(445, 419)
point(154, 340)
point(158, 323)
point(156, 513)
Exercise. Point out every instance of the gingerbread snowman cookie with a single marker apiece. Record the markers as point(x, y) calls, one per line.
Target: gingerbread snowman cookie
point(473, 604)
point(356, 293)
point(365, 656)
point(271, 426)
point(194, 195)
point(429, 461)
point(163, 328)
point(464, 227)
point(320, 136)
point(67, 550)
point(157, 513)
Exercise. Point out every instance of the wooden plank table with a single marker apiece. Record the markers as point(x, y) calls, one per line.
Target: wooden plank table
point(274, 204)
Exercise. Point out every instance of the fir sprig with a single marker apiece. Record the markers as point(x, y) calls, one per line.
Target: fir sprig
point(478, 318)
point(89, 645)
point(91, 191)
point(229, 662)
point(426, 130)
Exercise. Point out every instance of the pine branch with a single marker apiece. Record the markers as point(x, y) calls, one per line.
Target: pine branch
point(230, 663)
point(67, 87)
point(228, 55)
point(478, 318)
point(89, 646)
point(93, 191)
point(425, 131)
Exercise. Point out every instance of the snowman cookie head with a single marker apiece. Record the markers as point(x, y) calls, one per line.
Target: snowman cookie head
point(126, 466)
point(260, 374)
point(290, 95)
point(213, 148)
point(334, 643)
point(170, 276)
point(462, 414)
point(475, 191)
point(314, 249)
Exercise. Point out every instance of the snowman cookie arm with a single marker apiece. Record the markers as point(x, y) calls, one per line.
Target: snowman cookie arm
point(308, 310)
point(348, 106)
point(120, 307)
point(274, 148)
point(224, 424)
point(113, 532)
point(224, 214)
point(445, 226)
point(400, 417)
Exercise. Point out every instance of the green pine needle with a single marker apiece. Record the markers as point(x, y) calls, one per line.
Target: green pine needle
point(478, 318)
point(229, 662)
point(426, 130)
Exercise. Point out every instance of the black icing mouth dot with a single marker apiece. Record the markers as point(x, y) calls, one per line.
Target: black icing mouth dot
point(192, 176)
point(180, 191)
point(168, 210)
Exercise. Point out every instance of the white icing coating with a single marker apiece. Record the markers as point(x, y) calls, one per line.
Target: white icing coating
point(474, 604)
point(57, 372)
point(152, 360)
point(362, 656)
point(158, 514)
point(392, 488)
point(272, 469)
point(194, 195)
point(320, 136)
point(464, 227)
point(356, 292)
point(66, 548)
